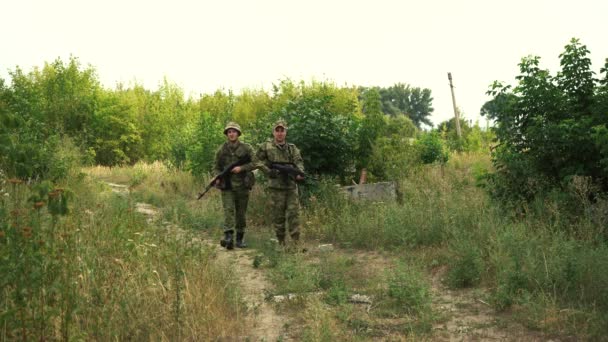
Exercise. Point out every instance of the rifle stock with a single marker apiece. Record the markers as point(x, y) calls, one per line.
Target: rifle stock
point(224, 173)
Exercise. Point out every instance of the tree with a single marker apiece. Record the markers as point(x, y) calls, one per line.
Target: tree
point(432, 148)
point(372, 126)
point(116, 137)
point(401, 99)
point(549, 128)
point(41, 109)
point(208, 136)
point(327, 140)
point(249, 106)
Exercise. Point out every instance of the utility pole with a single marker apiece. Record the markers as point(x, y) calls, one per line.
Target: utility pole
point(456, 115)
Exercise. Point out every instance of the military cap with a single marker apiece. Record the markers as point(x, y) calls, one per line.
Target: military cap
point(234, 126)
point(279, 123)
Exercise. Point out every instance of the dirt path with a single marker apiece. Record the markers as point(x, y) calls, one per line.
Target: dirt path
point(470, 318)
point(467, 317)
point(262, 322)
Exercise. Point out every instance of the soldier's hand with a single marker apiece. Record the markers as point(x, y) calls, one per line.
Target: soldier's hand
point(299, 178)
point(236, 169)
point(274, 173)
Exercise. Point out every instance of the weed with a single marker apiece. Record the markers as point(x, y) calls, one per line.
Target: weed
point(466, 265)
point(408, 290)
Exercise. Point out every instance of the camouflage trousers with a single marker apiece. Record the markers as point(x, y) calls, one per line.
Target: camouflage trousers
point(235, 209)
point(285, 208)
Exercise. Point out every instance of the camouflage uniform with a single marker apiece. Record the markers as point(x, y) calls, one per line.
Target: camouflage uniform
point(282, 189)
point(235, 190)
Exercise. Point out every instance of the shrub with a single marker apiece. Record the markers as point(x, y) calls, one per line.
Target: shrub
point(208, 136)
point(432, 149)
point(466, 265)
point(408, 290)
point(549, 127)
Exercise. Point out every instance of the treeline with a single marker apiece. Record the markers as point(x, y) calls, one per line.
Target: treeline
point(60, 114)
point(550, 130)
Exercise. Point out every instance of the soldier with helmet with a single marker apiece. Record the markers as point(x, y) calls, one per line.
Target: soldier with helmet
point(236, 186)
point(282, 188)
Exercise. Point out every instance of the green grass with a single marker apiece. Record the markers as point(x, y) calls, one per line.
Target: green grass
point(102, 272)
point(546, 268)
point(546, 256)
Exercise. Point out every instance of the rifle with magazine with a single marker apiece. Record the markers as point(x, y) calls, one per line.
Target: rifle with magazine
point(223, 175)
point(287, 169)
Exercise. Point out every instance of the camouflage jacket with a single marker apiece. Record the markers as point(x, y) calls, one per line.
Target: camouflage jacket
point(229, 153)
point(269, 152)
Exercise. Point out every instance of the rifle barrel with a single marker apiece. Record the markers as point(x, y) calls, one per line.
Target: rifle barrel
point(224, 172)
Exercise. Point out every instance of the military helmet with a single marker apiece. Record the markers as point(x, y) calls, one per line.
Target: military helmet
point(279, 123)
point(234, 126)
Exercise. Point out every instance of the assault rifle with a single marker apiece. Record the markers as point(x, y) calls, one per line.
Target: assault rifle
point(287, 169)
point(224, 173)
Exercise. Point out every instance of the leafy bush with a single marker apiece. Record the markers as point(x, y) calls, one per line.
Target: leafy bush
point(327, 140)
point(66, 160)
point(208, 136)
point(549, 127)
point(393, 158)
point(432, 148)
point(466, 265)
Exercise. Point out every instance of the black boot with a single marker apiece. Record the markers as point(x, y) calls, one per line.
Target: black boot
point(227, 240)
point(239, 240)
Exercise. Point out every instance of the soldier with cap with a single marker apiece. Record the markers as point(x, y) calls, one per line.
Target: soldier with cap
point(282, 188)
point(236, 186)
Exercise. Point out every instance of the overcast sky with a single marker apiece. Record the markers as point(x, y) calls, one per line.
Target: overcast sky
point(233, 44)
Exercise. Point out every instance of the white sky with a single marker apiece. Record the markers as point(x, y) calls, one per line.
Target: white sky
point(205, 45)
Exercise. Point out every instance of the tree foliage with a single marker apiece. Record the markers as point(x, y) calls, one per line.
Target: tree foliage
point(473, 137)
point(432, 149)
point(549, 128)
point(117, 138)
point(58, 114)
point(373, 125)
point(208, 136)
point(39, 111)
point(413, 102)
point(327, 140)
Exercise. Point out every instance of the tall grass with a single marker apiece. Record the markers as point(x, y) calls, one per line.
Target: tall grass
point(552, 255)
point(102, 272)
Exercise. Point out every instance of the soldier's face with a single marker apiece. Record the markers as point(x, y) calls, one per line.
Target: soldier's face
point(232, 134)
point(279, 134)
